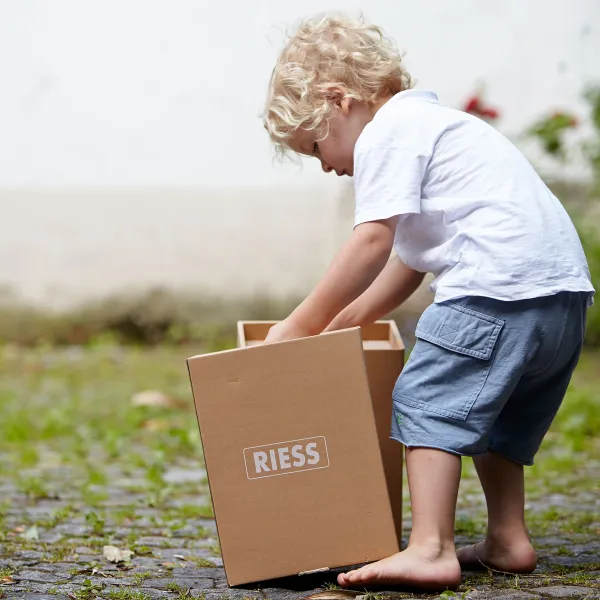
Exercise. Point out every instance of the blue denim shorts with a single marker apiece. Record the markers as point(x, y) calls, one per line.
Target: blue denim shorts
point(489, 375)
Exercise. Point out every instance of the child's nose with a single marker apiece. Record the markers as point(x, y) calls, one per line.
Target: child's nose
point(326, 167)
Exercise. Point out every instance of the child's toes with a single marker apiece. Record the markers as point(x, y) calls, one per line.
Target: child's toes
point(355, 576)
point(351, 577)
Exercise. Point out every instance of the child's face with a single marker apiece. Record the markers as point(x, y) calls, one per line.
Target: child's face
point(336, 151)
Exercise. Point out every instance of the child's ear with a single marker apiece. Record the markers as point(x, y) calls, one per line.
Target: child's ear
point(345, 106)
point(337, 97)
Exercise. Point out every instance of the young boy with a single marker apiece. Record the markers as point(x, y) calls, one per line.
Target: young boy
point(453, 197)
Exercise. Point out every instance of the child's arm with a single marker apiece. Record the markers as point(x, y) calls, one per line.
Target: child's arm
point(352, 271)
point(395, 284)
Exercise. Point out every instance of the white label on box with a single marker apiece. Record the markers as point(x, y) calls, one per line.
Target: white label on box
point(286, 458)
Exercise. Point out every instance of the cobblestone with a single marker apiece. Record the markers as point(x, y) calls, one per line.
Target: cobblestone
point(170, 559)
point(568, 591)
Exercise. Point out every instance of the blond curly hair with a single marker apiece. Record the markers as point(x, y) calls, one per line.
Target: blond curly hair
point(326, 53)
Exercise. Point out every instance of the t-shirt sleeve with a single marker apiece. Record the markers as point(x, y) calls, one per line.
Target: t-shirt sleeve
point(387, 181)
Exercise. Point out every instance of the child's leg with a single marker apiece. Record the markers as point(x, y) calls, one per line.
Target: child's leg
point(507, 546)
point(518, 432)
point(483, 375)
point(430, 559)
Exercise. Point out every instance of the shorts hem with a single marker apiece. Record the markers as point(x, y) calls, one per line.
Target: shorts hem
point(525, 463)
point(437, 446)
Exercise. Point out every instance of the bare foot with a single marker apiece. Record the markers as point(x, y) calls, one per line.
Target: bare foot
point(519, 557)
point(413, 567)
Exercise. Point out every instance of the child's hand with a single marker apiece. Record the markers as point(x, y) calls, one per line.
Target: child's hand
point(286, 330)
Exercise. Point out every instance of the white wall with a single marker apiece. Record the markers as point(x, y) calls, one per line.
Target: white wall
point(58, 247)
point(168, 93)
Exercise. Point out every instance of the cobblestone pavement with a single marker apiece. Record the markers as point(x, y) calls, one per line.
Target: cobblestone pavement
point(82, 466)
point(53, 546)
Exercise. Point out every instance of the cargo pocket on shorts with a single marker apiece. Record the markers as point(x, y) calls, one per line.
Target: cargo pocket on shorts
point(450, 362)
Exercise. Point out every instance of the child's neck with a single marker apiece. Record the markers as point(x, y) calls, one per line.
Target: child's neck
point(378, 103)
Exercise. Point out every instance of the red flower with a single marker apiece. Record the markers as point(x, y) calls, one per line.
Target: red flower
point(490, 113)
point(473, 105)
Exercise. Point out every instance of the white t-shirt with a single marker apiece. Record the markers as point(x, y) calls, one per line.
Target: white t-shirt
point(472, 209)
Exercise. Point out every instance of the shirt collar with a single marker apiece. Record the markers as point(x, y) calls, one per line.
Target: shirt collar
point(419, 95)
point(424, 95)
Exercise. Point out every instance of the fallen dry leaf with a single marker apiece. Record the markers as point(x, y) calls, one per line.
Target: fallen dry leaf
point(6, 580)
point(155, 398)
point(179, 556)
point(156, 425)
point(96, 571)
point(124, 566)
point(19, 529)
point(31, 533)
point(334, 595)
point(113, 554)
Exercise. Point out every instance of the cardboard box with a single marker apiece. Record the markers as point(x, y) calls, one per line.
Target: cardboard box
point(384, 356)
point(292, 457)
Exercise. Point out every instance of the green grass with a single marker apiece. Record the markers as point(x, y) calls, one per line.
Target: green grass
point(88, 591)
point(73, 405)
point(200, 562)
point(192, 511)
point(466, 525)
point(568, 454)
point(7, 571)
point(139, 578)
point(33, 487)
point(76, 403)
point(68, 429)
point(95, 523)
point(125, 594)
